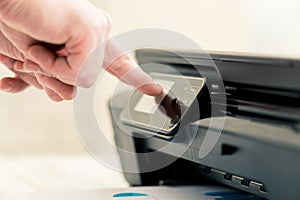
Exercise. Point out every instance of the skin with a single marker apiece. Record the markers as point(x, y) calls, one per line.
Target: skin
point(47, 43)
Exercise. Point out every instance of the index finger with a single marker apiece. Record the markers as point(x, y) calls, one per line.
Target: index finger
point(128, 71)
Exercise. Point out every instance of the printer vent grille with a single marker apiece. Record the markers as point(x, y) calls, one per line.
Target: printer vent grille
point(262, 104)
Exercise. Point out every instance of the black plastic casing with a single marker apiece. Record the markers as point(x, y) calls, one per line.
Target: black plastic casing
point(259, 148)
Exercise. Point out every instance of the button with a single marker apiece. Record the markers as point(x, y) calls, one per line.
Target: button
point(174, 121)
point(190, 90)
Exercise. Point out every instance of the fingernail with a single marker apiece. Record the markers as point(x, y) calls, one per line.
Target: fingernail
point(32, 67)
point(7, 87)
point(158, 88)
point(55, 97)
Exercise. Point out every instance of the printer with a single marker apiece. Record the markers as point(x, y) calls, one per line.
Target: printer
point(255, 144)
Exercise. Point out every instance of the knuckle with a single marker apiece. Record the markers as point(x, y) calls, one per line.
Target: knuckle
point(107, 21)
point(103, 25)
point(43, 78)
point(86, 82)
point(118, 65)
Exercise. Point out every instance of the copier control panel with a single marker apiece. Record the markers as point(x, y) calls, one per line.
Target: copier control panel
point(163, 114)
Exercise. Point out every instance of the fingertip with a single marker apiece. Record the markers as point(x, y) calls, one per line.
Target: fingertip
point(6, 86)
point(8, 62)
point(53, 95)
point(72, 95)
point(151, 89)
point(68, 96)
point(56, 98)
point(12, 85)
point(18, 66)
point(3, 57)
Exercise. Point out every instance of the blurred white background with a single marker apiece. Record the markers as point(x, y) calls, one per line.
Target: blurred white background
point(39, 147)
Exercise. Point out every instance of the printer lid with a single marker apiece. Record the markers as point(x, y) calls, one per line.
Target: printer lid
point(260, 70)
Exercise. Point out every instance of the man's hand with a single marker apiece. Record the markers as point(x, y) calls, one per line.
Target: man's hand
point(14, 60)
point(77, 28)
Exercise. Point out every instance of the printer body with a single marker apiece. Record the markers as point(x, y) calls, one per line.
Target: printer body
point(258, 150)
